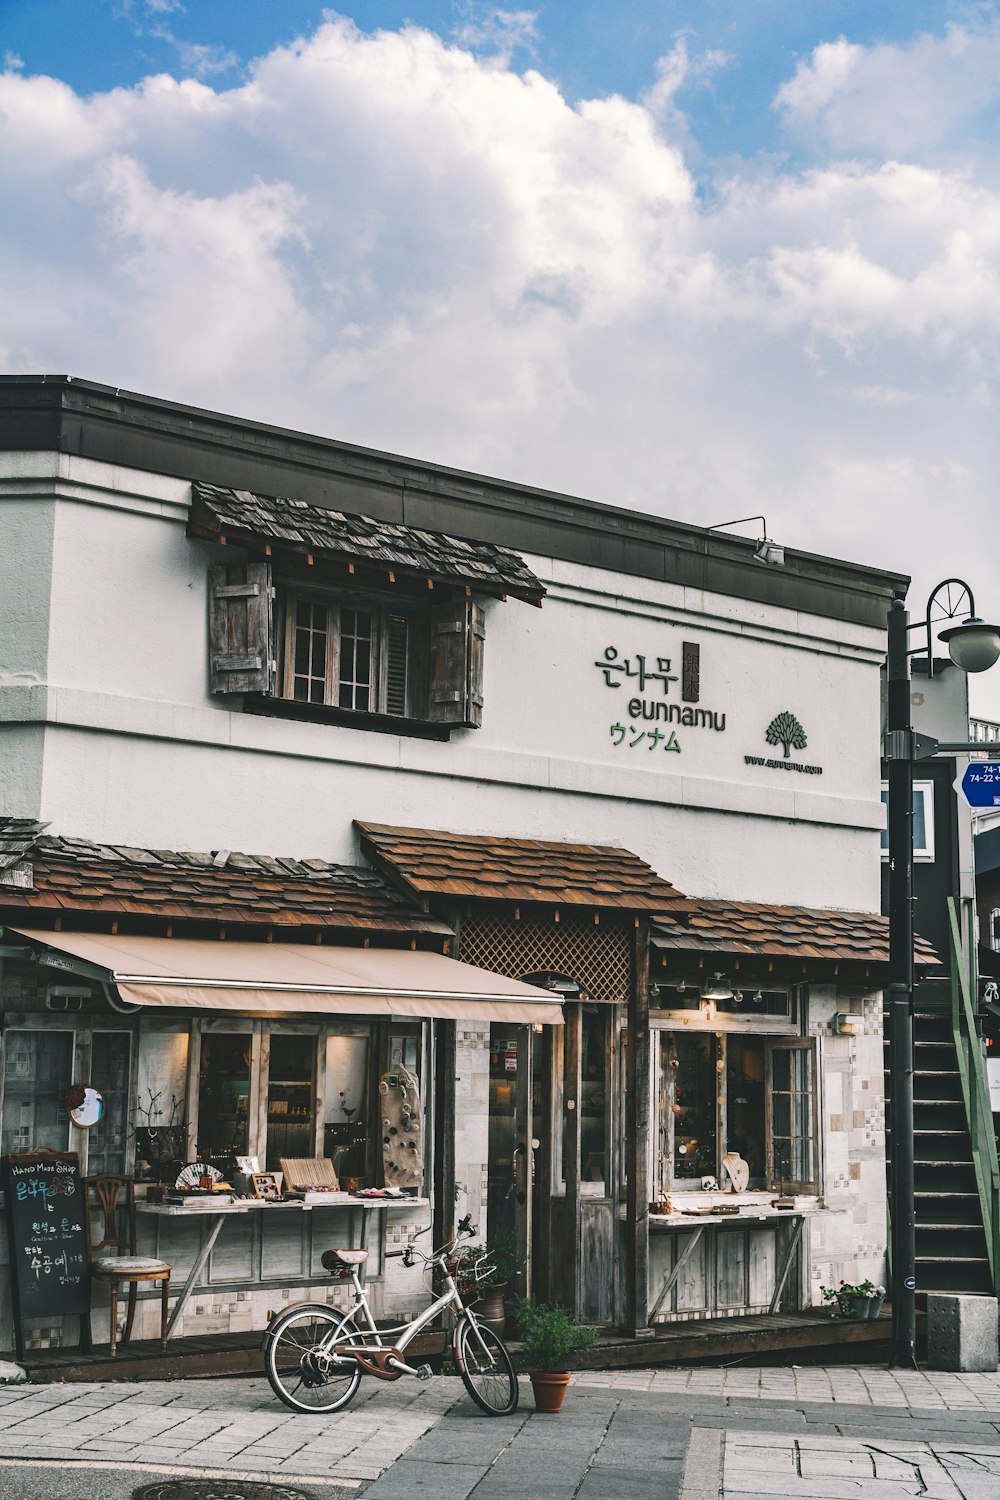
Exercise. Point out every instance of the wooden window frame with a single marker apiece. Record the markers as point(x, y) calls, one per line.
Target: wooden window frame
point(664, 1019)
point(82, 1029)
point(773, 1042)
point(382, 614)
point(260, 1032)
point(787, 1044)
point(427, 658)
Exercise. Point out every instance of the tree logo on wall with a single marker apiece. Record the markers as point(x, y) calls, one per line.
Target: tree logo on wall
point(785, 729)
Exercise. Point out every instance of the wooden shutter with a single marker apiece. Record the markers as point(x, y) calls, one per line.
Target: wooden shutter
point(458, 634)
point(396, 656)
point(240, 628)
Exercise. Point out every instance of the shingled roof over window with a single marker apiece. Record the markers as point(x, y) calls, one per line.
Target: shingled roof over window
point(75, 875)
point(17, 838)
point(427, 862)
point(752, 928)
point(296, 526)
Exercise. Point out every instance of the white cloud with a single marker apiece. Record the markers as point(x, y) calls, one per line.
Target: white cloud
point(896, 99)
point(391, 240)
point(495, 31)
point(201, 58)
point(677, 70)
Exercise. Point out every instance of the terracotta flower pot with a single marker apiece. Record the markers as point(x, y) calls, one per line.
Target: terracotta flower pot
point(549, 1387)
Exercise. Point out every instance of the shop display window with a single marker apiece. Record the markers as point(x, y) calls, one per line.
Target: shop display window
point(746, 1111)
point(224, 1094)
point(401, 1112)
point(724, 1092)
point(791, 1125)
point(691, 1073)
point(110, 1061)
point(291, 1108)
point(594, 1042)
point(38, 1070)
point(346, 1129)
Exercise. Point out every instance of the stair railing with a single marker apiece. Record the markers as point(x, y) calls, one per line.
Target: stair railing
point(975, 1085)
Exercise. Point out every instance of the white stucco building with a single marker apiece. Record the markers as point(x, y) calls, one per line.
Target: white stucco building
point(189, 662)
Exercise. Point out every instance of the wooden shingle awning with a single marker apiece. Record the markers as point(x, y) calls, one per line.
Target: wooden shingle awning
point(749, 928)
point(64, 875)
point(296, 526)
point(427, 862)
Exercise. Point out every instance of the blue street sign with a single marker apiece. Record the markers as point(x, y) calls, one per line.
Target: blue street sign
point(980, 784)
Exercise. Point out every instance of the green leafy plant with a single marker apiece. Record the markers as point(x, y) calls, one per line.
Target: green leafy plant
point(493, 1264)
point(550, 1335)
point(845, 1297)
point(502, 1256)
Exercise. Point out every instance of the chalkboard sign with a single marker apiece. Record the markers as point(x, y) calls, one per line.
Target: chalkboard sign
point(46, 1208)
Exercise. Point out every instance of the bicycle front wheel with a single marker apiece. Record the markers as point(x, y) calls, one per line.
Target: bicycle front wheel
point(486, 1369)
point(301, 1361)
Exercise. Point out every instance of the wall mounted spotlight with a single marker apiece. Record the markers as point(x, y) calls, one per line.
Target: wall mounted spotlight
point(717, 988)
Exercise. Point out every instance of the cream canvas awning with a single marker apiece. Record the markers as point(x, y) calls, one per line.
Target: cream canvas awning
point(276, 977)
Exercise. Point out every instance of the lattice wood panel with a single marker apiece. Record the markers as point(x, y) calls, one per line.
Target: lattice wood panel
point(597, 957)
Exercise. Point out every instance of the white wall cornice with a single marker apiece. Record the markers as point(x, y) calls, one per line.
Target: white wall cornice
point(60, 707)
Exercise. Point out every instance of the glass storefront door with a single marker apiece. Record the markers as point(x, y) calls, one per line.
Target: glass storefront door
point(509, 1172)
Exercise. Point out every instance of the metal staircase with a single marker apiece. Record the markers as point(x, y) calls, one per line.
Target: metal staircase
point(951, 1239)
point(957, 1180)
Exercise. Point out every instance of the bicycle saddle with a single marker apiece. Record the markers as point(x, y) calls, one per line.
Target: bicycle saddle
point(340, 1260)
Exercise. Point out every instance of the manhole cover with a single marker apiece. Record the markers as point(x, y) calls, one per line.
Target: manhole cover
point(216, 1489)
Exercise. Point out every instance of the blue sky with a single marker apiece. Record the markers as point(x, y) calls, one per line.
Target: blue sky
point(589, 47)
point(703, 259)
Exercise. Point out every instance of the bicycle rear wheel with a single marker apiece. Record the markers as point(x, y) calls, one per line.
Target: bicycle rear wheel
point(486, 1369)
point(302, 1368)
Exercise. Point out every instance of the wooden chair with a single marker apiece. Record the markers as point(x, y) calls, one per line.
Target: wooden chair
point(116, 1202)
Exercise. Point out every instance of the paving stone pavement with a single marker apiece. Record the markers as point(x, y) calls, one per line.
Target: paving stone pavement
point(738, 1434)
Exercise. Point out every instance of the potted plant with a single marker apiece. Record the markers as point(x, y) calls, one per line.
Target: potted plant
point(550, 1339)
point(858, 1300)
point(485, 1272)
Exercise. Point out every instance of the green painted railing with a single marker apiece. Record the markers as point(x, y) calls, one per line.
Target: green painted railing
point(975, 1085)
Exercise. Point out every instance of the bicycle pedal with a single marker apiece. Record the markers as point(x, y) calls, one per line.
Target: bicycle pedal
point(424, 1372)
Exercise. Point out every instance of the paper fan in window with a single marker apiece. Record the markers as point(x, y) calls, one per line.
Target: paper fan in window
point(191, 1175)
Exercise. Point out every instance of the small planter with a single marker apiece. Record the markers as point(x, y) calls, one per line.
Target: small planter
point(549, 1388)
point(865, 1308)
point(490, 1309)
point(857, 1304)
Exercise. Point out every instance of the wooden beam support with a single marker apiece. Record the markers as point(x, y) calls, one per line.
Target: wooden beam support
point(443, 1186)
point(637, 1124)
point(572, 1071)
point(794, 1241)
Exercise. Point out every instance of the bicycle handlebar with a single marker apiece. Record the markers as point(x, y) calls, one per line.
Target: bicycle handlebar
point(412, 1253)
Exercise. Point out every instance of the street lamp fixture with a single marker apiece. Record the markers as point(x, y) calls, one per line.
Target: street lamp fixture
point(974, 646)
point(766, 551)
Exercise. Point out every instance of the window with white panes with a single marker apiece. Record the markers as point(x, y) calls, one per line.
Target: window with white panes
point(353, 656)
point(736, 1091)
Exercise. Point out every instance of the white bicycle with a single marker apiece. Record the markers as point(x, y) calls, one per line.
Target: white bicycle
point(315, 1355)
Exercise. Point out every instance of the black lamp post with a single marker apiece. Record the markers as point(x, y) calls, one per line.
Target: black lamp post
point(974, 646)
